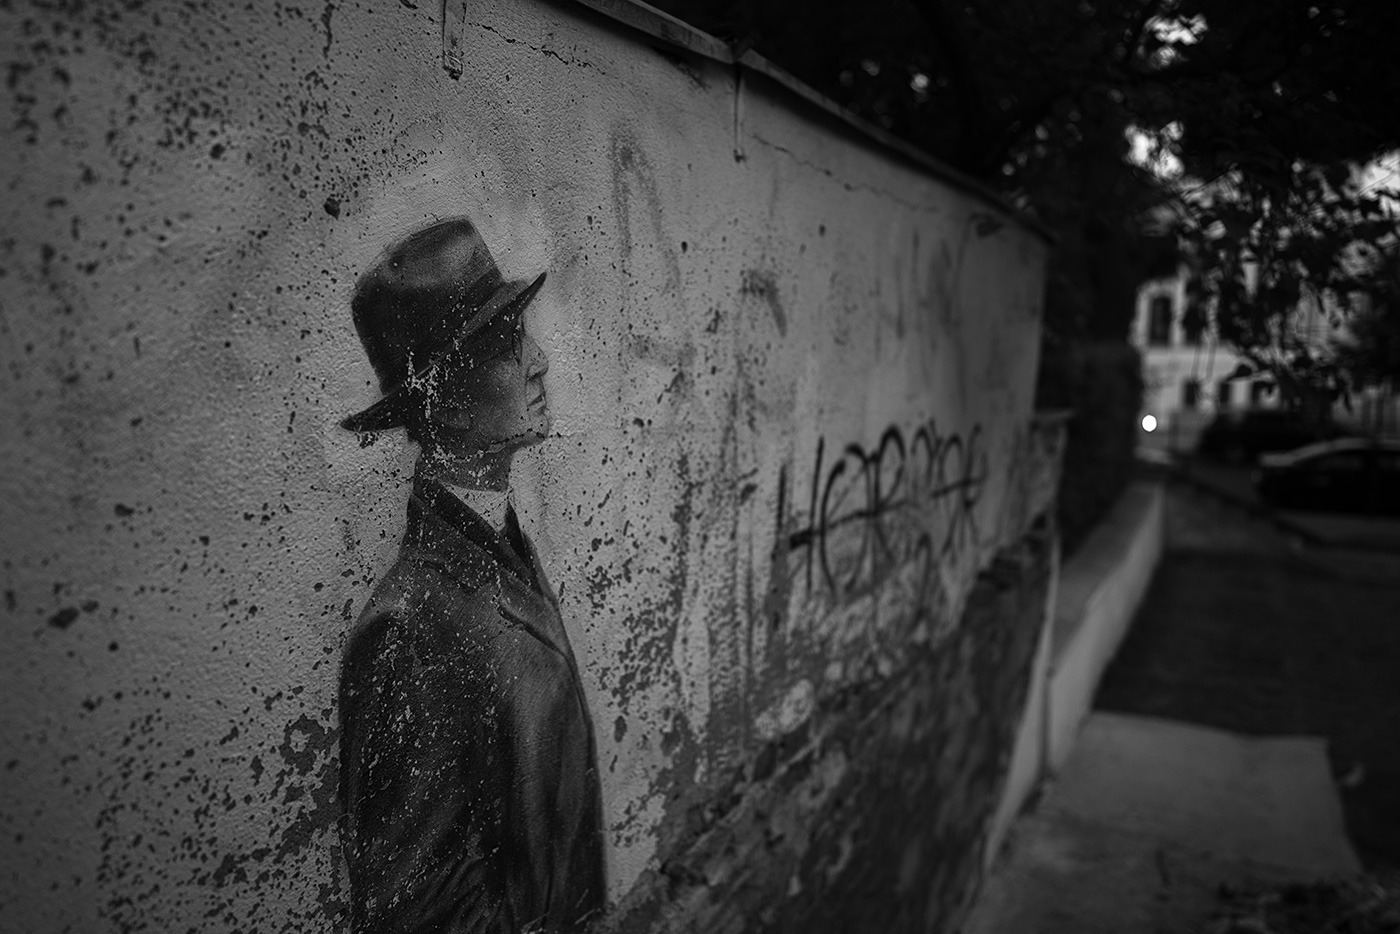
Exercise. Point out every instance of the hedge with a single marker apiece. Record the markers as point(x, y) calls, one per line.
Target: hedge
point(1102, 383)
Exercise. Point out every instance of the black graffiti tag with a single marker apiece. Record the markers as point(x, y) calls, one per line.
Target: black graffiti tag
point(907, 499)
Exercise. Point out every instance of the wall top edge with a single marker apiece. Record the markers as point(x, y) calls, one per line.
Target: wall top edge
point(1049, 417)
point(661, 25)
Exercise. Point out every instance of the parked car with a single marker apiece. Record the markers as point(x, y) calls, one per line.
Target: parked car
point(1239, 437)
point(1345, 475)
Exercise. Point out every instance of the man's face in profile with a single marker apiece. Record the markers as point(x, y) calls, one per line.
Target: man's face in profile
point(498, 405)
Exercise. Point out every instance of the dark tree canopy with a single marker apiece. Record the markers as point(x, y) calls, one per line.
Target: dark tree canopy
point(1252, 82)
point(1273, 81)
point(1371, 354)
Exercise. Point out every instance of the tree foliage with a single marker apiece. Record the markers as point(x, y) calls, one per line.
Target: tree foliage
point(1370, 352)
point(1282, 262)
point(979, 83)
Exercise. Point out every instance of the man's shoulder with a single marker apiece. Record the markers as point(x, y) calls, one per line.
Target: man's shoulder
point(423, 606)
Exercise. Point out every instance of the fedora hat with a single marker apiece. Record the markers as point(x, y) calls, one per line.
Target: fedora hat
point(417, 309)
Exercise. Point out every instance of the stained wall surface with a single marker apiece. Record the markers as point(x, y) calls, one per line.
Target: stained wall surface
point(790, 377)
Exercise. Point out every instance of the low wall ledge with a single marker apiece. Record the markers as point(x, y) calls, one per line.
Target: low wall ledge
point(1099, 558)
point(1049, 418)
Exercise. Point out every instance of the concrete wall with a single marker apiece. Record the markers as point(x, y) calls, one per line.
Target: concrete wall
point(790, 377)
point(1027, 767)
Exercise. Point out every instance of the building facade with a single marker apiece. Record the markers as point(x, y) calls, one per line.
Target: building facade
point(1187, 372)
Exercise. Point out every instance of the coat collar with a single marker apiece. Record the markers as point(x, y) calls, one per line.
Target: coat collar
point(445, 531)
point(449, 530)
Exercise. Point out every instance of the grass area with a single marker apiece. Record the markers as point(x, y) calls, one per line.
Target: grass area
point(1266, 642)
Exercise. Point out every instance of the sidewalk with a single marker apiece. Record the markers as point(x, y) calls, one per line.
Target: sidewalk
point(1150, 817)
point(1245, 731)
point(1245, 631)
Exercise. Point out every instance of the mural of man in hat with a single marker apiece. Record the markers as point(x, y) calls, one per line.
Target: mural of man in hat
point(468, 780)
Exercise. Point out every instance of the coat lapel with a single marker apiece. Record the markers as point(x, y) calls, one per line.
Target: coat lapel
point(446, 532)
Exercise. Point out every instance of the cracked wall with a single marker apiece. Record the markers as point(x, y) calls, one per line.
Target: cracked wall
point(791, 381)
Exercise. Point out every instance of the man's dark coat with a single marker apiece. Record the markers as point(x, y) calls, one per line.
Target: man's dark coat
point(468, 775)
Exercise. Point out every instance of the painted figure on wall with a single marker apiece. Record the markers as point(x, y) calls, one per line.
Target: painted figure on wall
point(468, 783)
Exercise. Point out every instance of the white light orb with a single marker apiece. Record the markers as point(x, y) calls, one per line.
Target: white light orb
point(1149, 423)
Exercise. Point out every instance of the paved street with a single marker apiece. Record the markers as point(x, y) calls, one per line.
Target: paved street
point(1332, 528)
point(1245, 734)
point(1245, 631)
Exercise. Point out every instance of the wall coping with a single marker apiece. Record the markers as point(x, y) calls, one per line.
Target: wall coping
point(1097, 560)
point(1046, 418)
point(661, 25)
point(1100, 591)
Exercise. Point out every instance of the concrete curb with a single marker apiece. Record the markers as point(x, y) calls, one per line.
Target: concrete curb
point(1092, 600)
point(1100, 590)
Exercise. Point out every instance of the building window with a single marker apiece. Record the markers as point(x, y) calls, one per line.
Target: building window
point(1190, 393)
point(1159, 322)
point(1257, 391)
point(1224, 393)
point(1193, 324)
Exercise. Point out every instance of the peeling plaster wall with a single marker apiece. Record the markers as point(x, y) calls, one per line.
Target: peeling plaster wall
point(791, 383)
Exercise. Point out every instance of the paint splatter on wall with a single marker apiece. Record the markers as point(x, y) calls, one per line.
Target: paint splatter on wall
point(786, 398)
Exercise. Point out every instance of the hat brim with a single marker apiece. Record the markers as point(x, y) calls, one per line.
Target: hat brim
point(391, 411)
